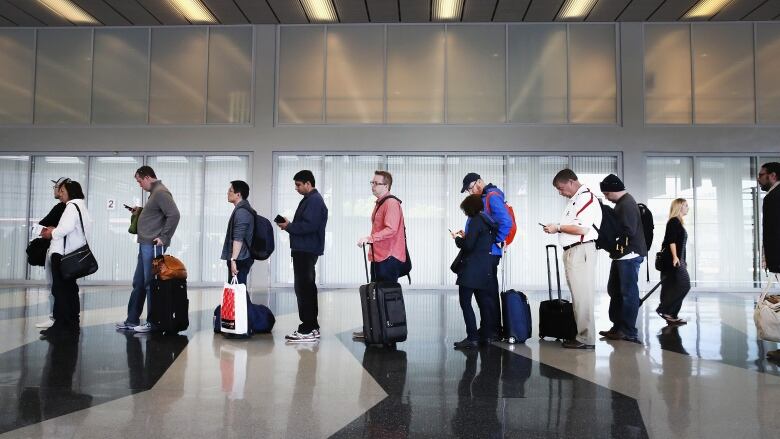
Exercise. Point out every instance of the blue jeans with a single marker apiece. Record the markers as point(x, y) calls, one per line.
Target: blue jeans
point(623, 292)
point(142, 283)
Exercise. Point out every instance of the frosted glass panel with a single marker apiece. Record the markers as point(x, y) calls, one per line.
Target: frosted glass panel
point(183, 176)
point(723, 73)
point(424, 213)
point(767, 72)
point(17, 56)
point(668, 73)
point(14, 178)
point(120, 87)
point(537, 73)
point(355, 74)
point(669, 178)
point(592, 74)
point(301, 74)
point(112, 184)
point(724, 221)
point(220, 171)
point(63, 76)
point(476, 73)
point(46, 169)
point(415, 74)
point(178, 78)
point(230, 74)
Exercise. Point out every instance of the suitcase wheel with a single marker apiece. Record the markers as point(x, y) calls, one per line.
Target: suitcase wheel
point(511, 340)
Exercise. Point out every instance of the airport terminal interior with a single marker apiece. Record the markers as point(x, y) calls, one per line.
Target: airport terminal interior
point(677, 98)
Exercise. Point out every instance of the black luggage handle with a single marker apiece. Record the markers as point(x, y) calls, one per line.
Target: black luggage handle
point(365, 261)
point(557, 270)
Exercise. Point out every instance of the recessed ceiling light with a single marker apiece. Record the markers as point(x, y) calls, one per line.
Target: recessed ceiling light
point(320, 11)
point(706, 8)
point(194, 11)
point(575, 9)
point(447, 10)
point(69, 11)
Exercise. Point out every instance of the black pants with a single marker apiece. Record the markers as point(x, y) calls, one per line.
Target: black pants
point(306, 290)
point(66, 296)
point(386, 271)
point(675, 285)
point(244, 266)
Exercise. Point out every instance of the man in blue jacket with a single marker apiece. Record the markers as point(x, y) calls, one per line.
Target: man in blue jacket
point(496, 209)
point(307, 243)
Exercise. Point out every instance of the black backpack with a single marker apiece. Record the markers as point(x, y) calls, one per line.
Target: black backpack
point(647, 223)
point(611, 237)
point(262, 245)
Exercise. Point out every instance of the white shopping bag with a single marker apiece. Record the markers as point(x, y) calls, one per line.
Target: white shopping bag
point(234, 308)
point(767, 315)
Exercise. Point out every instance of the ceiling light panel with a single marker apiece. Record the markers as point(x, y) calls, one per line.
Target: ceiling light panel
point(194, 11)
point(576, 9)
point(320, 11)
point(706, 9)
point(70, 11)
point(447, 10)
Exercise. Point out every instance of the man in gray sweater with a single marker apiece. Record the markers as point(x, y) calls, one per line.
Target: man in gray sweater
point(156, 225)
point(623, 287)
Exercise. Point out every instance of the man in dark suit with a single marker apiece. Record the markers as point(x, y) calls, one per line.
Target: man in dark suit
point(768, 177)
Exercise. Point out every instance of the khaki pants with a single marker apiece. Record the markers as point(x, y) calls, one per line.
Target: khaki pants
point(579, 262)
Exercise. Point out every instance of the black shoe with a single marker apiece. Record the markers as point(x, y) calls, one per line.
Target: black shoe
point(574, 344)
point(611, 334)
point(466, 344)
point(632, 340)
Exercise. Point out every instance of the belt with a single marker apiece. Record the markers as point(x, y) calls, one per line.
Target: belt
point(576, 244)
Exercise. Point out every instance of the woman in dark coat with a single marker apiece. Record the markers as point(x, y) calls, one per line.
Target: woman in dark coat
point(675, 281)
point(475, 272)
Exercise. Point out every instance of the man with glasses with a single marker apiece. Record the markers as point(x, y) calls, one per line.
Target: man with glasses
point(768, 180)
point(387, 239)
point(50, 221)
point(496, 209)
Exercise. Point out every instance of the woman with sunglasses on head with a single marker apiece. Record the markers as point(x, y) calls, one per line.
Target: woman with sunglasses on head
point(675, 281)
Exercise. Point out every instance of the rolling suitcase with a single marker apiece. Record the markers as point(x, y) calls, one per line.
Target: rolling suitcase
point(384, 314)
point(517, 316)
point(169, 305)
point(556, 316)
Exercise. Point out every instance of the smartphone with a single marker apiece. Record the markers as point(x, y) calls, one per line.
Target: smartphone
point(542, 225)
point(279, 219)
point(128, 207)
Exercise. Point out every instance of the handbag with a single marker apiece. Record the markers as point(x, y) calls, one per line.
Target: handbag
point(663, 260)
point(167, 267)
point(234, 315)
point(767, 315)
point(36, 251)
point(80, 262)
point(457, 263)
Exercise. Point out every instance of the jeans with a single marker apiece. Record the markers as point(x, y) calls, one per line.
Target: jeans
point(66, 296)
point(386, 271)
point(306, 290)
point(244, 267)
point(142, 283)
point(489, 316)
point(623, 292)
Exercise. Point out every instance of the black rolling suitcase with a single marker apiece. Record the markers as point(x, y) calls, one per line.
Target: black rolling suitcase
point(169, 305)
point(556, 316)
point(384, 314)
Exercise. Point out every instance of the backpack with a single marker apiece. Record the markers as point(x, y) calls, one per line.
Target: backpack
point(263, 238)
point(512, 230)
point(611, 237)
point(647, 223)
point(406, 267)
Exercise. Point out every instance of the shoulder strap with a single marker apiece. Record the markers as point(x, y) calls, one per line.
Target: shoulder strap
point(588, 203)
point(81, 220)
point(487, 201)
point(381, 202)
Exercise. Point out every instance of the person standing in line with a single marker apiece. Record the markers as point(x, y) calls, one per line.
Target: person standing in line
point(675, 281)
point(157, 223)
point(307, 244)
point(623, 284)
point(387, 239)
point(577, 236)
point(768, 180)
point(50, 221)
point(240, 231)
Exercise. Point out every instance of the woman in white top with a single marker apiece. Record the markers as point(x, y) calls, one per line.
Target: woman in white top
point(68, 236)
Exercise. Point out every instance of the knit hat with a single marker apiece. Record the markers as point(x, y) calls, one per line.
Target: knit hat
point(612, 183)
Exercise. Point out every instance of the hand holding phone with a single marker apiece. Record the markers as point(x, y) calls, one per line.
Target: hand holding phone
point(280, 219)
point(542, 225)
point(128, 207)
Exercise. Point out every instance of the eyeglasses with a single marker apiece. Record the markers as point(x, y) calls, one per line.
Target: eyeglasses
point(376, 183)
point(471, 186)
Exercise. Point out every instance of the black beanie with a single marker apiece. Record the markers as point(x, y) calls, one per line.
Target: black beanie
point(612, 183)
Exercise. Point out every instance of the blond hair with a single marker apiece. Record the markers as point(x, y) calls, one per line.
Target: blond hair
point(675, 210)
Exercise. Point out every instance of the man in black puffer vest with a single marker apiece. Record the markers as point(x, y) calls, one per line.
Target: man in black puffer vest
point(768, 179)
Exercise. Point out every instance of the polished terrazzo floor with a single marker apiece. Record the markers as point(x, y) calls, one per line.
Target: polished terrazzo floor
point(705, 379)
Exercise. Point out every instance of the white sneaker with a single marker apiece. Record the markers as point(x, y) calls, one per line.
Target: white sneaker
point(125, 325)
point(146, 327)
point(45, 324)
point(316, 333)
point(297, 337)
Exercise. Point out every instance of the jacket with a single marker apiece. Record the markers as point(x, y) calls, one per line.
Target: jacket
point(160, 216)
point(241, 227)
point(307, 229)
point(54, 215)
point(498, 213)
point(476, 269)
point(68, 235)
point(628, 213)
point(771, 229)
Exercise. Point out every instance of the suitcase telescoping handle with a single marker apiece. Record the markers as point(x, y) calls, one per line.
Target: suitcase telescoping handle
point(557, 271)
point(365, 262)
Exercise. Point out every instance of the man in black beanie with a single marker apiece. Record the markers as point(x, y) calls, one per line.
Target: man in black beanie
point(623, 287)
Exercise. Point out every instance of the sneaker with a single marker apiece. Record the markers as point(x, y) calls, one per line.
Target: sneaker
point(358, 335)
point(574, 344)
point(316, 333)
point(125, 325)
point(297, 337)
point(45, 324)
point(146, 327)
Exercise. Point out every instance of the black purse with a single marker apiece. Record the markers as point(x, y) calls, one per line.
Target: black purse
point(80, 262)
point(457, 263)
point(663, 260)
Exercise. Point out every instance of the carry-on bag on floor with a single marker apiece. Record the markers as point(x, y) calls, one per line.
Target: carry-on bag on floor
point(169, 305)
point(556, 316)
point(515, 313)
point(384, 314)
point(261, 318)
